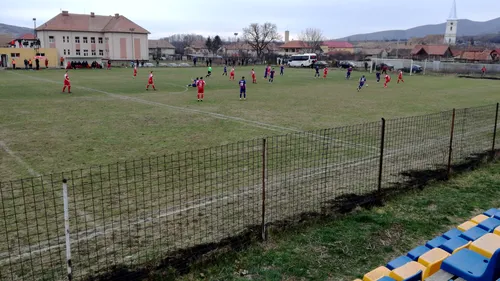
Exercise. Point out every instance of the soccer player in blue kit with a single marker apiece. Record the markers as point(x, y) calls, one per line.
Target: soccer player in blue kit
point(243, 88)
point(362, 82)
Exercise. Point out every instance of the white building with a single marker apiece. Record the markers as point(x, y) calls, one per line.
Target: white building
point(160, 49)
point(450, 35)
point(92, 37)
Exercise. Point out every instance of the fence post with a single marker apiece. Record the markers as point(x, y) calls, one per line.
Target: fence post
point(494, 132)
point(381, 160)
point(264, 169)
point(450, 151)
point(66, 229)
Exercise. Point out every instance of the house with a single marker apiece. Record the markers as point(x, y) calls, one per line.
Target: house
point(294, 47)
point(198, 49)
point(375, 53)
point(27, 40)
point(94, 37)
point(239, 49)
point(160, 48)
point(400, 53)
point(337, 46)
point(431, 52)
point(472, 56)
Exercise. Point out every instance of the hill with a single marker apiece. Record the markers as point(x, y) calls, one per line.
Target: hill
point(465, 28)
point(15, 31)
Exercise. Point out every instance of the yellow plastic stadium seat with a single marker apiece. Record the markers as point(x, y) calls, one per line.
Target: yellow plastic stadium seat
point(358, 280)
point(407, 270)
point(479, 218)
point(432, 261)
point(486, 245)
point(497, 231)
point(466, 226)
point(376, 274)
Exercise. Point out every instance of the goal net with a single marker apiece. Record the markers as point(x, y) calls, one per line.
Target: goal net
point(406, 64)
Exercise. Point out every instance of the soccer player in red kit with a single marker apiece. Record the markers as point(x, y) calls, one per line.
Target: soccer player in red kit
point(483, 71)
point(109, 64)
point(150, 81)
point(400, 76)
point(135, 70)
point(387, 80)
point(254, 79)
point(66, 83)
point(231, 74)
point(325, 72)
point(201, 89)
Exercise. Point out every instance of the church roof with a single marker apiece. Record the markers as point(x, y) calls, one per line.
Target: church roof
point(453, 12)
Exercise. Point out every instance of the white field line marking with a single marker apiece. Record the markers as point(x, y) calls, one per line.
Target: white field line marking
point(19, 160)
point(98, 231)
point(213, 114)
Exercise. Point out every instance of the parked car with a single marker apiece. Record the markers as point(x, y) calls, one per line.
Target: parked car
point(320, 64)
point(347, 64)
point(415, 69)
point(390, 67)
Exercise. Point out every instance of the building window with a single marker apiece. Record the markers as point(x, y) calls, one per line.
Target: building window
point(64, 51)
point(15, 55)
point(69, 53)
point(85, 53)
point(64, 39)
point(107, 39)
point(85, 40)
point(451, 28)
point(51, 39)
point(78, 52)
point(100, 40)
point(93, 52)
point(77, 39)
point(40, 54)
point(101, 53)
point(92, 40)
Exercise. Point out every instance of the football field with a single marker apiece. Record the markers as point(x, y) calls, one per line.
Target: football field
point(110, 117)
point(152, 172)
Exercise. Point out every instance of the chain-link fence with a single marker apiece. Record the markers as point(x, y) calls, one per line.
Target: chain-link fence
point(126, 218)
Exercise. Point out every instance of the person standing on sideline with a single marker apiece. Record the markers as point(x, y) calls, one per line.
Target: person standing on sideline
point(37, 64)
point(61, 60)
point(483, 71)
point(46, 63)
point(13, 63)
point(66, 83)
point(30, 63)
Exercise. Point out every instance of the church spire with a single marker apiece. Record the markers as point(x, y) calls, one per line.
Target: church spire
point(453, 12)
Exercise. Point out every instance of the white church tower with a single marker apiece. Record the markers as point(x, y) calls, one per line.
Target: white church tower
point(450, 35)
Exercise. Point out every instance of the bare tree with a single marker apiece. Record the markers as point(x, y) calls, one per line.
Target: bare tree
point(181, 41)
point(258, 36)
point(313, 37)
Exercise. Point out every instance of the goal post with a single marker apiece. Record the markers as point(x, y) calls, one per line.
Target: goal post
point(406, 64)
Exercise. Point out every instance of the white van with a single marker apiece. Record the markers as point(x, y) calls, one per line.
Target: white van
point(304, 60)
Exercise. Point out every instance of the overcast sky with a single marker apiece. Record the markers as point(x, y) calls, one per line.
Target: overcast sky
point(336, 18)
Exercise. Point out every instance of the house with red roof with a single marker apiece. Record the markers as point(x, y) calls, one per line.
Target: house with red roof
point(336, 47)
point(431, 52)
point(294, 47)
point(93, 37)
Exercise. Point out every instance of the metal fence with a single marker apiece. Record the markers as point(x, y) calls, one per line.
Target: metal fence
point(166, 211)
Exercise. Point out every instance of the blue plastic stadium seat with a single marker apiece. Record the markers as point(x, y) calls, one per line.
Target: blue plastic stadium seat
point(497, 214)
point(491, 212)
point(417, 252)
point(452, 233)
point(398, 262)
point(453, 244)
point(386, 278)
point(473, 233)
point(436, 242)
point(472, 266)
point(489, 224)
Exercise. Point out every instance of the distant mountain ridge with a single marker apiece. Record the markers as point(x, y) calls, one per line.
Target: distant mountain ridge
point(15, 31)
point(465, 28)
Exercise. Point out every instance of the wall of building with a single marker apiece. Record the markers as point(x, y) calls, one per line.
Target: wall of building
point(67, 47)
point(120, 46)
point(26, 53)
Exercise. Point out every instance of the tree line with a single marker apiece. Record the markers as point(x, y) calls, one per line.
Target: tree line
point(257, 36)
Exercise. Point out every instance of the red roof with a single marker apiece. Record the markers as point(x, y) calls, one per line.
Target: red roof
point(337, 44)
point(91, 23)
point(432, 50)
point(476, 56)
point(295, 45)
point(27, 36)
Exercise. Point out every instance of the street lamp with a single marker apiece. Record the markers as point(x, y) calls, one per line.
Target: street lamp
point(235, 36)
point(34, 27)
point(132, 36)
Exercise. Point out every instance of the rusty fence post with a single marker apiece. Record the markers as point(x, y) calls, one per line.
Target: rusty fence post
point(264, 170)
point(450, 151)
point(381, 159)
point(494, 132)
